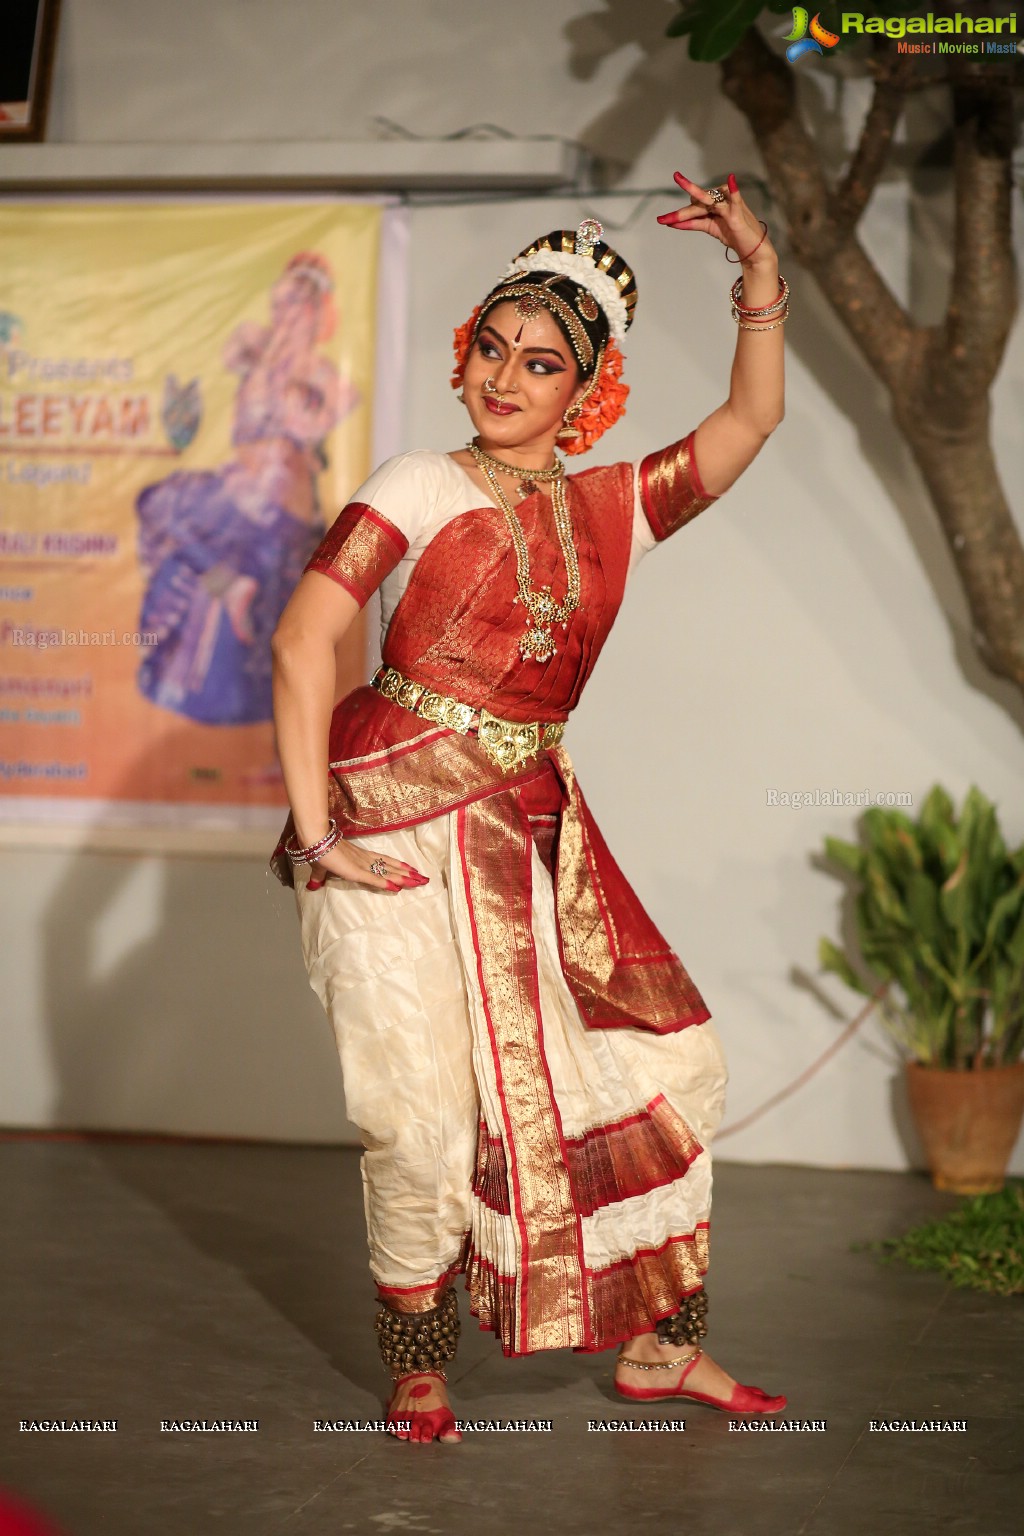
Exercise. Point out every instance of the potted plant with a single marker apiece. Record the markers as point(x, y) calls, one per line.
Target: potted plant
point(939, 918)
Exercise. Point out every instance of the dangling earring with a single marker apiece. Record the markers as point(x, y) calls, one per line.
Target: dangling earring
point(461, 396)
point(567, 430)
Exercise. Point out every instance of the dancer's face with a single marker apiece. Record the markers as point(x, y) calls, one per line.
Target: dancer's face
point(531, 376)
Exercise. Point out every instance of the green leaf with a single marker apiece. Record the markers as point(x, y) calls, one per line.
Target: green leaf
point(934, 966)
point(715, 26)
point(831, 958)
point(939, 910)
point(923, 908)
point(1014, 945)
point(986, 852)
point(896, 852)
point(937, 827)
point(938, 806)
point(878, 824)
point(885, 894)
point(905, 834)
point(682, 24)
point(1003, 912)
point(954, 895)
point(847, 855)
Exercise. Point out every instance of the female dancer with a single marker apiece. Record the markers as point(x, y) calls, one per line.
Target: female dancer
point(534, 1074)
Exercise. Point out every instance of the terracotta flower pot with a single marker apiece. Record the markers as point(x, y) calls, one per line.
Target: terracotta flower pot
point(968, 1122)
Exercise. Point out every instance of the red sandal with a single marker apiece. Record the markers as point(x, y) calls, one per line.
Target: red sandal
point(437, 1422)
point(740, 1400)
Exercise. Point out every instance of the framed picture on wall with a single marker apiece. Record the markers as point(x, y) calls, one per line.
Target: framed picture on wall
point(28, 35)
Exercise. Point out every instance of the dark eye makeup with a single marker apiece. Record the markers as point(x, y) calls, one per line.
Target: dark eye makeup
point(539, 365)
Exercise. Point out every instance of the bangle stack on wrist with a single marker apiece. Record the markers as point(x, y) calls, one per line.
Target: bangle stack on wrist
point(760, 315)
point(312, 853)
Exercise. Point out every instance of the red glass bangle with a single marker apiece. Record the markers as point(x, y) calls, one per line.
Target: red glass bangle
point(747, 257)
point(753, 310)
point(312, 853)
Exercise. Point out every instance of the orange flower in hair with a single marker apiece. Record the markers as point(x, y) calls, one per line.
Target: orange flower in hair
point(463, 342)
point(603, 406)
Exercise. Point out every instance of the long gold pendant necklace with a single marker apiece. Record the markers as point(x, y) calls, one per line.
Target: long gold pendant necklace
point(544, 612)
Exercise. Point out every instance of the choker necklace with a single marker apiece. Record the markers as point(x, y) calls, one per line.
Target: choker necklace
point(544, 612)
point(527, 477)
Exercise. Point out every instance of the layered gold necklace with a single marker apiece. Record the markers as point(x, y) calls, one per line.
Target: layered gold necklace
point(544, 612)
point(527, 477)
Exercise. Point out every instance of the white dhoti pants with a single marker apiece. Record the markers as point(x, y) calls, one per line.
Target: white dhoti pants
point(595, 1198)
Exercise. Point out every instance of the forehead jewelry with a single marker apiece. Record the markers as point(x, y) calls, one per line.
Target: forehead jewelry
point(527, 304)
point(530, 298)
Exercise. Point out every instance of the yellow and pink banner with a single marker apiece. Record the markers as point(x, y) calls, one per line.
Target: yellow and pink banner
point(186, 399)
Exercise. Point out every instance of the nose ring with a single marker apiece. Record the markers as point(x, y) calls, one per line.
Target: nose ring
point(491, 388)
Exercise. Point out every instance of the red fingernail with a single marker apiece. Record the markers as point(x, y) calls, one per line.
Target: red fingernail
point(393, 885)
point(732, 183)
point(313, 885)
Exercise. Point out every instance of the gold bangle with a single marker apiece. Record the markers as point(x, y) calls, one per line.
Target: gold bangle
point(758, 311)
point(746, 326)
point(738, 312)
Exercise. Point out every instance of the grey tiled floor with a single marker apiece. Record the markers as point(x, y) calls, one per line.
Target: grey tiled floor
point(151, 1281)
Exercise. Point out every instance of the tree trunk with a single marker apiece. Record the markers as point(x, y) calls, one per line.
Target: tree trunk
point(960, 472)
point(938, 377)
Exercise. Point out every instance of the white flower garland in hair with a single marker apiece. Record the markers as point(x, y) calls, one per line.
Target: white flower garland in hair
point(582, 271)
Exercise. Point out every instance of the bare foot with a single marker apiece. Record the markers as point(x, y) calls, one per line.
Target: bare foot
point(704, 1376)
point(419, 1409)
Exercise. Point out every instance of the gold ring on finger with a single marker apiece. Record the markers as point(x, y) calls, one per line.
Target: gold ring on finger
point(717, 195)
point(378, 867)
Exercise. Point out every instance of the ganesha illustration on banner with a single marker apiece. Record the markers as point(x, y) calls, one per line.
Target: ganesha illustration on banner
point(222, 549)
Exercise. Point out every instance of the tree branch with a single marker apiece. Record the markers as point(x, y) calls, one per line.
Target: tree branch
point(761, 87)
point(938, 377)
point(851, 197)
point(983, 293)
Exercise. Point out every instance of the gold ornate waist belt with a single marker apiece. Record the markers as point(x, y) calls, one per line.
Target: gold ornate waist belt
point(509, 743)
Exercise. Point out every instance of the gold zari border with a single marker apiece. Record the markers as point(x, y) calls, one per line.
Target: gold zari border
point(670, 488)
point(496, 850)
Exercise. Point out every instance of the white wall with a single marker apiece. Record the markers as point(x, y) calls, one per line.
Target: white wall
point(805, 632)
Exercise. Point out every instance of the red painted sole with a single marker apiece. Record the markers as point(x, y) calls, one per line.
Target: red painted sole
point(759, 1405)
